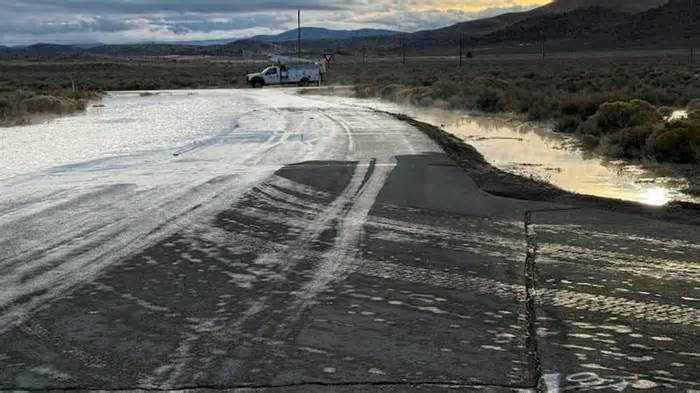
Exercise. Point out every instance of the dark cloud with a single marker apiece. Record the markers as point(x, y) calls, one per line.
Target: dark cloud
point(29, 21)
point(141, 7)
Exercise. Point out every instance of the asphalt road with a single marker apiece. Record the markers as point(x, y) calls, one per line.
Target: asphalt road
point(318, 247)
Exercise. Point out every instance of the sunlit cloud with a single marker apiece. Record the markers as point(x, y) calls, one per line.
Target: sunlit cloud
point(473, 6)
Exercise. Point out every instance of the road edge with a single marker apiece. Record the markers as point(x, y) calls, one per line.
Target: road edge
point(500, 183)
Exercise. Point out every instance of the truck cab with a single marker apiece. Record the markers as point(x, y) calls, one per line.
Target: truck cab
point(272, 75)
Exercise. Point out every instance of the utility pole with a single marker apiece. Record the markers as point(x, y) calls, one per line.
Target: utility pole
point(691, 18)
point(461, 48)
point(299, 31)
point(403, 50)
point(542, 39)
point(364, 52)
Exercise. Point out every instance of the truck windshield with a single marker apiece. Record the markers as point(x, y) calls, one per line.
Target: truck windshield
point(270, 71)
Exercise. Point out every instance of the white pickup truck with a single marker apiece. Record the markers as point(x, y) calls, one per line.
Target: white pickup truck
point(300, 74)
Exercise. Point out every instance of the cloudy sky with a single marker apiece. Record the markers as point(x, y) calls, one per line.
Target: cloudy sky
point(119, 21)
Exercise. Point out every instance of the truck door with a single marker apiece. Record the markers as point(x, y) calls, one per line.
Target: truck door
point(272, 76)
point(284, 74)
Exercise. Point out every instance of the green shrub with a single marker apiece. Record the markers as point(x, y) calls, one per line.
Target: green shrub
point(365, 91)
point(5, 110)
point(51, 104)
point(627, 143)
point(693, 105)
point(542, 107)
point(489, 101)
point(665, 111)
point(579, 106)
point(678, 141)
point(18, 107)
point(615, 116)
point(456, 102)
point(694, 116)
point(567, 124)
point(390, 92)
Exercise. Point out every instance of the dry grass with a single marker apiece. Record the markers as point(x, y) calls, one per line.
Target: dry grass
point(123, 76)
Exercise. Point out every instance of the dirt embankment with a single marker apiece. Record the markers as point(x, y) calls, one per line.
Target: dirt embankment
point(498, 182)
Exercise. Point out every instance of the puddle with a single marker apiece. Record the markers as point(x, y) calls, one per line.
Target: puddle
point(535, 151)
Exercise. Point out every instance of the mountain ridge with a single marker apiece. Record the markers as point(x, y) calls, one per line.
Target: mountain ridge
point(490, 25)
point(319, 33)
point(627, 6)
point(600, 27)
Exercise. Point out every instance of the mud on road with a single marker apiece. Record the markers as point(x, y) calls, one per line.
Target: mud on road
point(345, 252)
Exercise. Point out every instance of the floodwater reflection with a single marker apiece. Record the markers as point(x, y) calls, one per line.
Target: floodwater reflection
point(536, 151)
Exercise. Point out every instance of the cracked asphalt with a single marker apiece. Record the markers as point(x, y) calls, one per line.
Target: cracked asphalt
point(346, 252)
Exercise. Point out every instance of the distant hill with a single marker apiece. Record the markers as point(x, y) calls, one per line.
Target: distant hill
point(662, 26)
point(603, 28)
point(579, 24)
point(486, 26)
point(223, 41)
point(142, 50)
point(628, 6)
point(86, 45)
point(475, 28)
point(318, 33)
point(40, 52)
point(242, 48)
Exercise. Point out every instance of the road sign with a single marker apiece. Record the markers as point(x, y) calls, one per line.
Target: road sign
point(328, 57)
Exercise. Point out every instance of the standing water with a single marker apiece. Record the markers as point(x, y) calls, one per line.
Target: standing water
point(536, 151)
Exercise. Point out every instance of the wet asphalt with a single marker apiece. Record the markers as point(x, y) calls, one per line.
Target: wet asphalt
point(365, 275)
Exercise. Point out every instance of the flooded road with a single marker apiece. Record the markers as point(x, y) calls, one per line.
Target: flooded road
point(259, 241)
point(533, 150)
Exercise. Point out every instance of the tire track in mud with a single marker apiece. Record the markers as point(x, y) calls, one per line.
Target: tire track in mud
point(346, 214)
point(346, 129)
point(341, 260)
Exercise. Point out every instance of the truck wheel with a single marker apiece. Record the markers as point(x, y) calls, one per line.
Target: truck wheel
point(304, 82)
point(257, 84)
